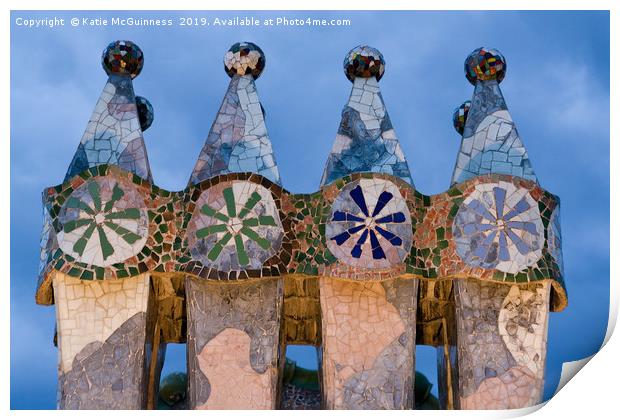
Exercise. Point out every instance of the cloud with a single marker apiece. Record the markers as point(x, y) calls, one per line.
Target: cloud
point(570, 98)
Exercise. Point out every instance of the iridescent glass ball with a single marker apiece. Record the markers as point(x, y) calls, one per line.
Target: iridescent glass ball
point(364, 61)
point(244, 58)
point(460, 117)
point(485, 64)
point(122, 57)
point(145, 112)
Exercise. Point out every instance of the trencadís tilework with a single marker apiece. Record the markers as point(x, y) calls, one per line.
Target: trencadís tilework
point(238, 140)
point(103, 222)
point(366, 140)
point(370, 225)
point(114, 134)
point(499, 226)
point(491, 143)
point(460, 116)
point(238, 267)
point(236, 225)
point(493, 227)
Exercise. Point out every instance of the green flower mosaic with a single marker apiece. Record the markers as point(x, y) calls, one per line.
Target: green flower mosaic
point(246, 225)
point(102, 225)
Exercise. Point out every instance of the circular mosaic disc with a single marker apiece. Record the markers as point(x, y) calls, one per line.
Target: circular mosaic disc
point(370, 226)
point(236, 225)
point(499, 226)
point(103, 222)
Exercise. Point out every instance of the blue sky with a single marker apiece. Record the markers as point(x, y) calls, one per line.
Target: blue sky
point(556, 88)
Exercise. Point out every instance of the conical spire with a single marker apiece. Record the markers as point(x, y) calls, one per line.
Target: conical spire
point(366, 141)
point(491, 143)
point(238, 140)
point(114, 133)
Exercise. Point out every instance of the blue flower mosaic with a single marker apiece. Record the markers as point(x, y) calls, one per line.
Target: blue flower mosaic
point(499, 226)
point(370, 225)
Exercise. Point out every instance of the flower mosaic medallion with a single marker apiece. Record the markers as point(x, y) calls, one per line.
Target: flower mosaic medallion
point(499, 226)
point(554, 238)
point(370, 225)
point(103, 222)
point(235, 226)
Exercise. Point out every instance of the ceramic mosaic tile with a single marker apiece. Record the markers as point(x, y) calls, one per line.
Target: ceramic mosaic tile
point(102, 333)
point(146, 114)
point(485, 64)
point(491, 143)
point(499, 226)
point(460, 116)
point(368, 343)
point(48, 241)
point(113, 134)
point(244, 58)
point(235, 225)
point(554, 239)
point(233, 344)
point(364, 268)
point(454, 234)
point(103, 222)
point(238, 140)
point(122, 57)
point(366, 140)
point(502, 334)
point(370, 225)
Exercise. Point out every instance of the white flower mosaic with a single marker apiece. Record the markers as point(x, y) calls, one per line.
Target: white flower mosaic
point(499, 226)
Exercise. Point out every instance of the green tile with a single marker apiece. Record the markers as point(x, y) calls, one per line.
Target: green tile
point(87, 275)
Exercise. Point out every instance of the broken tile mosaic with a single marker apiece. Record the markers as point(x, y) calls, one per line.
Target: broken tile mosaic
point(485, 64)
point(499, 226)
point(244, 58)
point(122, 57)
point(365, 62)
point(366, 140)
point(235, 225)
point(364, 268)
point(238, 139)
point(491, 143)
point(113, 134)
point(554, 239)
point(370, 225)
point(103, 222)
point(460, 116)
